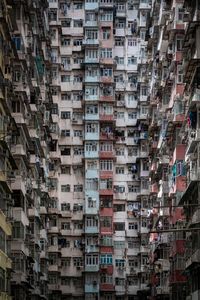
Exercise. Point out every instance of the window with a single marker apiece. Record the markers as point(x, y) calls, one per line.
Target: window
point(65, 114)
point(133, 262)
point(106, 72)
point(91, 147)
point(78, 5)
point(106, 16)
point(106, 184)
point(119, 42)
point(78, 23)
point(120, 281)
point(133, 188)
point(65, 188)
point(78, 151)
point(119, 189)
point(119, 226)
point(119, 60)
point(179, 43)
point(120, 115)
point(66, 23)
point(132, 115)
point(92, 127)
point(132, 280)
point(18, 232)
point(106, 240)
point(78, 133)
point(119, 170)
point(92, 184)
point(91, 222)
point(78, 188)
point(65, 281)
point(91, 34)
point(77, 207)
point(133, 226)
point(65, 41)
point(91, 202)
point(119, 207)
point(92, 260)
point(92, 165)
point(106, 147)
point(65, 133)
point(91, 53)
point(106, 222)
point(92, 109)
point(106, 53)
point(145, 165)
point(53, 279)
point(120, 262)
point(77, 261)
point(65, 225)
point(65, 151)
point(133, 242)
point(106, 259)
point(78, 225)
point(180, 74)
point(105, 278)
point(106, 33)
point(106, 165)
point(119, 245)
point(120, 151)
point(66, 97)
point(65, 206)
point(132, 60)
point(132, 42)
point(90, 16)
point(66, 262)
point(121, 24)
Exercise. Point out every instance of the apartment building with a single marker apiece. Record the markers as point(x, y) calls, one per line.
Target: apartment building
point(173, 57)
point(99, 149)
point(98, 222)
point(24, 142)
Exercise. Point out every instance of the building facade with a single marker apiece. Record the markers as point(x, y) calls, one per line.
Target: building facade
point(173, 53)
point(24, 139)
point(99, 149)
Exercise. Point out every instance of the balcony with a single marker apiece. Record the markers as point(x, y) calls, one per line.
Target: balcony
point(89, 60)
point(89, 97)
point(91, 248)
point(91, 117)
point(91, 229)
point(91, 154)
point(88, 23)
point(193, 138)
point(92, 288)
point(92, 6)
point(90, 42)
point(91, 268)
point(91, 136)
point(91, 79)
point(144, 4)
point(107, 287)
point(179, 153)
point(106, 154)
point(106, 136)
point(106, 117)
point(91, 210)
point(106, 4)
